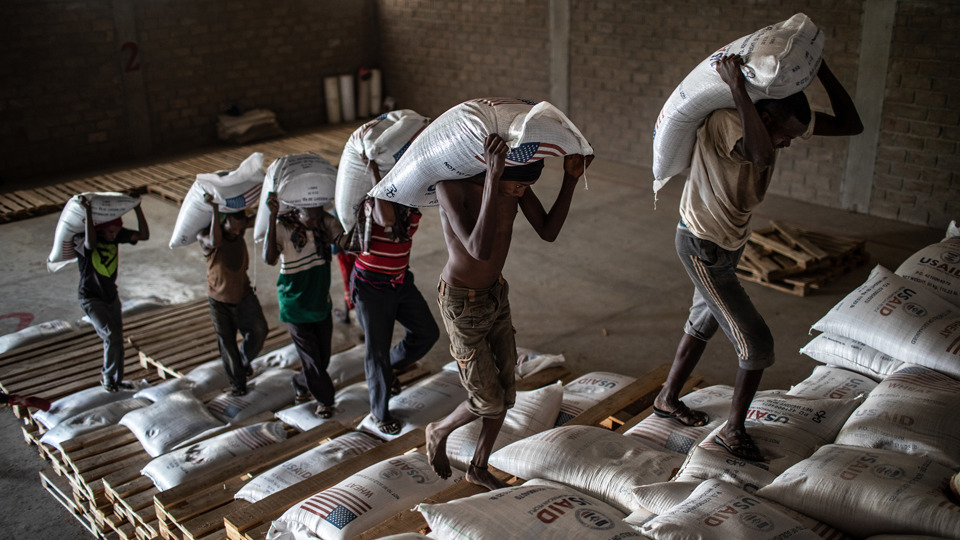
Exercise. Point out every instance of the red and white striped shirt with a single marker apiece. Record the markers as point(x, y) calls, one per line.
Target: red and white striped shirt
point(386, 255)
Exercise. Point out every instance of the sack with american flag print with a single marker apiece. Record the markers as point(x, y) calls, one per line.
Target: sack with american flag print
point(233, 191)
point(363, 500)
point(451, 147)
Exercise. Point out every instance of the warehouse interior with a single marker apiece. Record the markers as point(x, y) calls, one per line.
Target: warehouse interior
point(106, 86)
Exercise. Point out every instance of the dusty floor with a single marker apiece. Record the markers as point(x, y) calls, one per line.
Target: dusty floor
point(609, 294)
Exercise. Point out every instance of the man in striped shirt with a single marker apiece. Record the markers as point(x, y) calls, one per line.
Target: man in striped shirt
point(383, 291)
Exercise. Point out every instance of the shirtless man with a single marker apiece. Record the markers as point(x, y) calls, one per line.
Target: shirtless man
point(477, 216)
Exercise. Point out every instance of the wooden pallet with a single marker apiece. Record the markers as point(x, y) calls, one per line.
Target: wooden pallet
point(797, 261)
point(170, 180)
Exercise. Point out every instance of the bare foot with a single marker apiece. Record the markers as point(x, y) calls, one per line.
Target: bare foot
point(483, 477)
point(437, 452)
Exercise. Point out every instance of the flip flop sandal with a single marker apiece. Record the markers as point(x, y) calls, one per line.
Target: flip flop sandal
point(324, 411)
point(389, 427)
point(747, 449)
point(685, 415)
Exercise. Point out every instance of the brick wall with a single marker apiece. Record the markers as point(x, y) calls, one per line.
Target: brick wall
point(62, 97)
point(437, 53)
point(918, 163)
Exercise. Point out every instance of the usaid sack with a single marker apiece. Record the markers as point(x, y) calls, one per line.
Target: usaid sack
point(451, 147)
point(267, 392)
point(105, 206)
point(832, 383)
point(300, 181)
point(172, 420)
point(720, 510)
point(786, 429)
point(900, 318)
point(596, 461)
point(913, 411)
point(351, 405)
point(537, 509)
point(865, 491)
point(668, 434)
point(380, 142)
point(33, 334)
point(937, 267)
point(362, 500)
point(232, 191)
point(534, 411)
point(81, 401)
point(587, 391)
point(851, 354)
point(174, 468)
point(416, 406)
point(91, 420)
point(779, 60)
point(313, 461)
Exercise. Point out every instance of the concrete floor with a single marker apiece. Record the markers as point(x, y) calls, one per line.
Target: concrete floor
point(609, 294)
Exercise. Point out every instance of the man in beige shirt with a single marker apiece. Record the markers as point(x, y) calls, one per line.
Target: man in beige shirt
point(732, 165)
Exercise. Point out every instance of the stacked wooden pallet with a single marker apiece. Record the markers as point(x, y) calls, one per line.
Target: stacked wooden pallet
point(798, 261)
point(170, 180)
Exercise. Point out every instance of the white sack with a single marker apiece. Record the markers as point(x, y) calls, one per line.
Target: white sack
point(898, 317)
point(936, 267)
point(208, 377)
point(587, 391)
point(32, 334)
point(347, 365)
point(533, 412)
point(162, 389)
point(864, 491)
point(284, 357)
point(300, 181)
point(165, 424)
point(716, 509)
point(351, 405)
point(174, 468)
point(669, 434)
point(913, 411)
point(426, 401)
point(362, 500)
point(593, 460)
point(81, 401)
point(851, 354)
point(780, 60)
point(313, 461)
point(528, 363)
point(380, 141)
point(827, 382)
point(106, 206)
point(533, 510)
point(786, 429)
point(451, 147)
point(91, 420)
point(232, 191)
point(267, 392)
point(656, 499)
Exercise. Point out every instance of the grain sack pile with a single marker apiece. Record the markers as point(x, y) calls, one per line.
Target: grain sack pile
point(232, 191)
point(378, 143)
point(351, 405)
point(451, 147)
point(426, 401)
point(668, 434)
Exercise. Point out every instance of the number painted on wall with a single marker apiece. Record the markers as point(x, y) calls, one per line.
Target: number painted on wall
point(132, 50)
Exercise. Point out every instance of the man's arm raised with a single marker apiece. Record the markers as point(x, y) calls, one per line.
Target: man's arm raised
point(548, 225)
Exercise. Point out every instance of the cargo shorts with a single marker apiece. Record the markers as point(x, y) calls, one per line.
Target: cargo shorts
point(483, 344)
